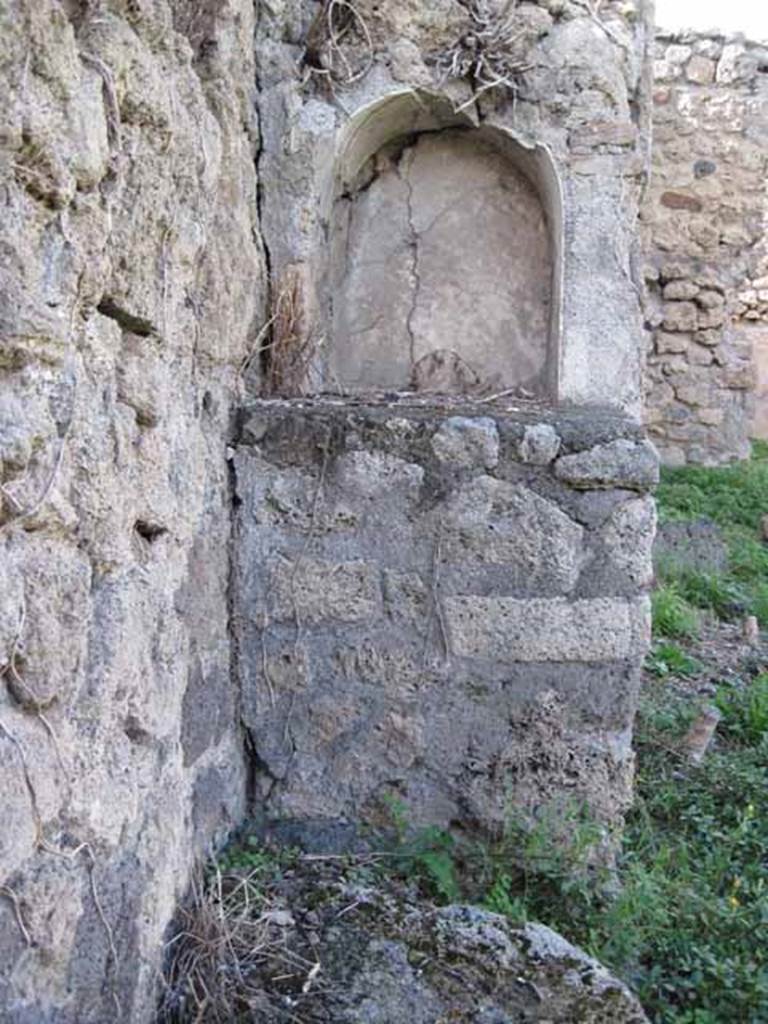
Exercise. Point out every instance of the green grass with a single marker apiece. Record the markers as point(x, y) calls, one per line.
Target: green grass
point(736, 498)
point(672, 615)
point(696, 845)
point(745, 716)
point(685, 925)
point(667, 659)
point(731, 496)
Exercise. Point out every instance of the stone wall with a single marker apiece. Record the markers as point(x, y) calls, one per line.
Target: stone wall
point(448, 609)
point(415, 547)
point(705, 219)
point(576, 114)
point(130, 290)
point(752, 310)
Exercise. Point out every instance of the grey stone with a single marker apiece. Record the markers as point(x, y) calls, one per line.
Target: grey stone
point(374, 474)
point(629, 536)
point(537, 629)
point(703, 168)
point(540, 444)
point(467, 443)
point(492, 522)
point(548, 947)
point(533, 973)
point(621, 463)
point(680, 316)
point(309, 591)
point(254, 429)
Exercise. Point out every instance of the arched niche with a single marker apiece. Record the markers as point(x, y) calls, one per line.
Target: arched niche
point(444, 264)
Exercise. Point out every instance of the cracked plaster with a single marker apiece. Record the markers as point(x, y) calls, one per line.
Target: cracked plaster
point(448, 255)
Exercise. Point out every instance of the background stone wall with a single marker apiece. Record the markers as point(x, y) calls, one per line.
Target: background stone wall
point(447, 609)
point(752, 311)
point(130, 290)
point(705, 218)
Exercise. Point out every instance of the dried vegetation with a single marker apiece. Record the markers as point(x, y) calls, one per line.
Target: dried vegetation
point(290, 351)
point(492, 53)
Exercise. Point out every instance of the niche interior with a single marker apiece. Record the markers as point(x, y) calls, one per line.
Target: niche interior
point(444, 258)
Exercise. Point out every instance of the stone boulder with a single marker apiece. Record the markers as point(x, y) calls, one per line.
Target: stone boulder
point(340, 944)
point(469, 966)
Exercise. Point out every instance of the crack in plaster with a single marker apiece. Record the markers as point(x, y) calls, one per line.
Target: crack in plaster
point(403, 170)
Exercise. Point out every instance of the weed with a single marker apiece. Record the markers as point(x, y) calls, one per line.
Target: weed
point(672, 615)
point(501, 899)
point(432, 853)
point(731, 496)
point(426, 854)
point(745, 712)
point(683, 924)
point(715, 592)
point(258, 861)
point(667, 659)
point(736, 498)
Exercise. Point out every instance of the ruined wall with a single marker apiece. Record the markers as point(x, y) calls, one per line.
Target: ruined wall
point(446, 606)
point(130, 277)
point(573, 105)
point(448, 609)
point(705, 220)
point(132, 296)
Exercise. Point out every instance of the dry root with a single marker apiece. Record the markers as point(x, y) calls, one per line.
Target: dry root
point(289, 354)
point(333, 44)
point(492, 54)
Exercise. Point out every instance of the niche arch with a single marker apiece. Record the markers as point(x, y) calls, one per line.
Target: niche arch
point(444, 268)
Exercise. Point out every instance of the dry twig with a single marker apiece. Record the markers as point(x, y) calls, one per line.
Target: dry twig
point(436, 606)
point(32, 510)
point(14, 899)
point(114, 122)
point(22, 693)
point(27, 781)
point(228, 932)
point(324, 54)
point(291, 350)
point(492, 54)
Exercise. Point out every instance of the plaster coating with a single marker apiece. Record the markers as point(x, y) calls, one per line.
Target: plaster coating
point(446, 256)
